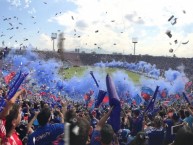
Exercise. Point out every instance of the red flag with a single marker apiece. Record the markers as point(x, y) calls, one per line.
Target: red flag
point(86, 97)
point(177, 96)
point(54, 97)
point(42, 93)
point(9, 77)
point(145, 96)
point(106, 99)
point(163, 94)
point(90, 103)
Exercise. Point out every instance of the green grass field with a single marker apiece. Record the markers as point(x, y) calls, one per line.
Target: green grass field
point(79, 71)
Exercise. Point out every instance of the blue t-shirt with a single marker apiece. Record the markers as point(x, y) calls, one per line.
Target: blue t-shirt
point(136, 125)
point(93, 123)
point(96, 137)
point(45, 135)
point(36, 122)
point(169, 138)
point(156, 136)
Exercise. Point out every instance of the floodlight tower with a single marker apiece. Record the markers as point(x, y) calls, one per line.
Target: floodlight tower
point(134, 41)
point(53, 36)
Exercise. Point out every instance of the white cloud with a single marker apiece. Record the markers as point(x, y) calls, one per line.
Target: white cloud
point(19, 3)
point(44, 42)
point(81, 24)
point(57, 1)
point(16, 3)
point(134, 18)
point(27, 3)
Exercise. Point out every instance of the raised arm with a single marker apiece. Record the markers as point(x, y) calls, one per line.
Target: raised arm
point(190, 108)
point(103, 120)
point(9, 104)
point(29, 125)
point(63, 110)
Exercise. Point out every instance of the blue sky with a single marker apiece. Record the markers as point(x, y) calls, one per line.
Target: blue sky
point(117, 22)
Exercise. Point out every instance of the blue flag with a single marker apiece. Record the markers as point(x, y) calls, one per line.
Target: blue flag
point(147, 90)
point(13, 89)
point(150, 107)
point(129, 100)
point(100, 97)
point(16, 86)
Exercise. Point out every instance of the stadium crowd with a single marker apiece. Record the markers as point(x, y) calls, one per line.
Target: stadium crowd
point(35, 121)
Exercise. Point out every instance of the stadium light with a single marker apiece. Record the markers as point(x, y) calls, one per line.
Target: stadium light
point(134, 41)
point(53, 36)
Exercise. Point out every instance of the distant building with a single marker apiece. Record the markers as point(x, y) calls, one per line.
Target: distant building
point(77, 50)
point(114, 53)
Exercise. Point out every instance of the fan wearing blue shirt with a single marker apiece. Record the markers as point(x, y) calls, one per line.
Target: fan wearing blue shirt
point(46, 133)
point(136, 122)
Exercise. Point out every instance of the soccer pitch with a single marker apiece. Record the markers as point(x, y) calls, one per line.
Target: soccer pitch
point(68, 73)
